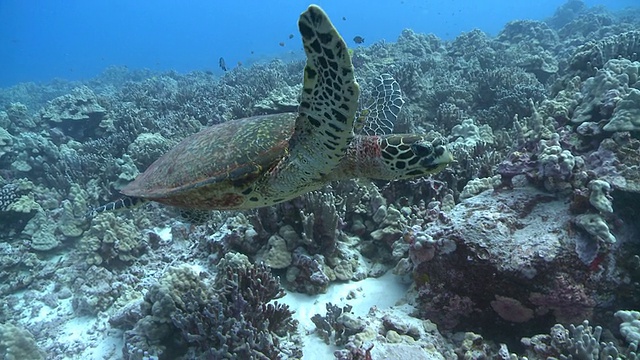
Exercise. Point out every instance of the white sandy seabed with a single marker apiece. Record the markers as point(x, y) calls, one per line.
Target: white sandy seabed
point(102, 343)
point(383, 293)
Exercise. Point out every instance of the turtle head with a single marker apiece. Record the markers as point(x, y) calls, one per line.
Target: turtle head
point(433, 157)
point(392, 157)
point(412, 156)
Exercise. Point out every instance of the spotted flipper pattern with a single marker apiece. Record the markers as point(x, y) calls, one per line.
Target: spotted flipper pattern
point(324, 126)
point(379, 118)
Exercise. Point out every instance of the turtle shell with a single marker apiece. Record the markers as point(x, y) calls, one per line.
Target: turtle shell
point(212, 168)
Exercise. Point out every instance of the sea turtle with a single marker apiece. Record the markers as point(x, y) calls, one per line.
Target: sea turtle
point(264, 160)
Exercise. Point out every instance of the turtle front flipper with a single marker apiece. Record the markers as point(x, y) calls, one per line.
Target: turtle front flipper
point(125, 202)
point(324, 127)
point(379, 118)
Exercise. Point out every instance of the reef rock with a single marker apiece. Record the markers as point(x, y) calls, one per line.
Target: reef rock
point(520, 256)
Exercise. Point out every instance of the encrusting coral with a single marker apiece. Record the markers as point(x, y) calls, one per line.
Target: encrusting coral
point(111, 238)
point(18, 344)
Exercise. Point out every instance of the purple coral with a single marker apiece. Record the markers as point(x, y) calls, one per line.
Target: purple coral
point(237, 322)
point(306, 273)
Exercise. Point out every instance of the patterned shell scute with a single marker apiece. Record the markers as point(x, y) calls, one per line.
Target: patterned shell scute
point(237, 152)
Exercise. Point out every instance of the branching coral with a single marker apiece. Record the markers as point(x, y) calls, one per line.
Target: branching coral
point(581, 342)
point(233, 316)
point(239, 321)
point(505, 92)
point(338, 324)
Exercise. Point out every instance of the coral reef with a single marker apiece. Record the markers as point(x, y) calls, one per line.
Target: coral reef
point(626, 114)
point(575, 342)
point(382, 334)
point(17, 206)
point(595, 54)
point(190, 317)
point(111, 238)
point(6, 142)
point(337, 324)
point(78, 113)
point(602, 94)
point(505, 256)
point(305, 236)
point(147, 148)
point(630, 327)
point(18, 344)
point(92, 297)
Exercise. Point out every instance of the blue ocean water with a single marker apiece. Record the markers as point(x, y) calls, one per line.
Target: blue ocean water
point(75, 39)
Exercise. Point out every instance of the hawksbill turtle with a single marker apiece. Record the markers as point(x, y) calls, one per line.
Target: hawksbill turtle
point(264, 160)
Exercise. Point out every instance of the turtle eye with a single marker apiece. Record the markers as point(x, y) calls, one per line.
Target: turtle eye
point(439, 151)
point(422, 149)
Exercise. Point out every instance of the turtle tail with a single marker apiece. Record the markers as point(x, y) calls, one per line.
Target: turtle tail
point(125, 202)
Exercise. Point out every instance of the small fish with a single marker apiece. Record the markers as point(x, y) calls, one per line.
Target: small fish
point(281, 43)
point(290, 36)
point(344, 18)
point(358, 39)
point(239, 63)
point(223, 64)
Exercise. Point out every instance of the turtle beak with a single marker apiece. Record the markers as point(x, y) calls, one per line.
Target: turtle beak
point(443, 155)
point(434, 158)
